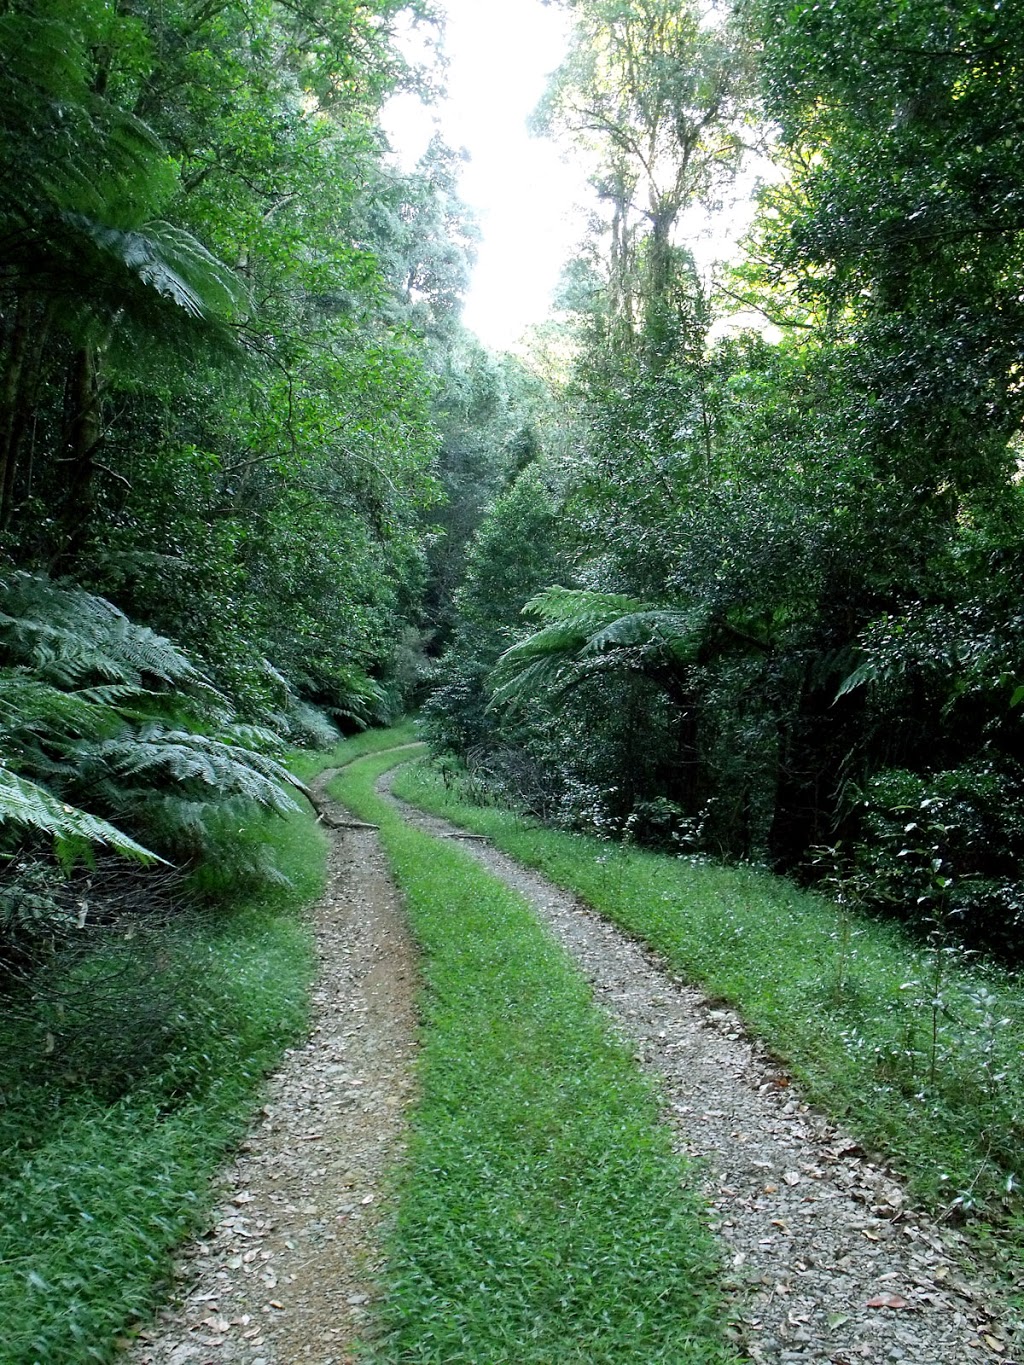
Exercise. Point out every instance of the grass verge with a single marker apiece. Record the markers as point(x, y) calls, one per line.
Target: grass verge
point(915, 1049)
point(114, 1117)
point(309, 763)
point(543, 1215)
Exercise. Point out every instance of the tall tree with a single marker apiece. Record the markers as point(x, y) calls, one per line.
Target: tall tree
point(654, 98)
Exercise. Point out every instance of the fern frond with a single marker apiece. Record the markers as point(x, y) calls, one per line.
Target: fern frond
point(171, 262)
point(357, 697)
point(591, 632)
point(677, 633)
point(30, 706)
point(72, 637)
point(29, 805)
point(308, 725)
point(579, 608)
point(177, 757)
point(867, 673)
point(514, 681)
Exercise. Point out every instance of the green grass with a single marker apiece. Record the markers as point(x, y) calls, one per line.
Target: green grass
point(110, 1140)
point(308, 763)
point(918, 1052)
point(543, 1216)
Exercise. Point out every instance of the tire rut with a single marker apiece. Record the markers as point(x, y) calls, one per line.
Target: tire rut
point(288, 1271)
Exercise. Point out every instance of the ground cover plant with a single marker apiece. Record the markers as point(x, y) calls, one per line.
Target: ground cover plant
point(912, 1045)
point(543, 1215)
point(122, 1090)
point(307, 763)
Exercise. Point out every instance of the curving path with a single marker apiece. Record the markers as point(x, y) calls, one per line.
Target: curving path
point(829, 1263)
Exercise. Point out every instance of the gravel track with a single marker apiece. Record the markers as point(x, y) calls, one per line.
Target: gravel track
point(288, 1272)
point(830, 1261)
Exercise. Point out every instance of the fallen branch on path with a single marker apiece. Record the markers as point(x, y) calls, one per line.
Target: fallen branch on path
point(326, 819)
point(323, 815)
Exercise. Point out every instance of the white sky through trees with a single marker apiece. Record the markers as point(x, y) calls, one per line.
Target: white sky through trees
point(529, 198)
point(524, 195)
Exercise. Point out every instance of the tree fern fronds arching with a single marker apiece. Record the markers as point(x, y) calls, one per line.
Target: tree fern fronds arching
point(171, 262)
point(73, 638)
point(181, 757)
point(31, 707)
point(592, 632)
point(26, 804)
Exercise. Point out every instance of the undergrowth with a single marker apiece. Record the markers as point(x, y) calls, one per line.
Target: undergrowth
point(107, 1161)
point(914, 1047)
point(543, 1215)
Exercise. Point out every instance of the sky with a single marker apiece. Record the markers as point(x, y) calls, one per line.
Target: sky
point(525, 197)
point(528, 199)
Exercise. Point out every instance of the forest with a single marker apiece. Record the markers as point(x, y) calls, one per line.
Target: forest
point(721, 562)
point(242, 431)
point(769, 574)
point(730, 565)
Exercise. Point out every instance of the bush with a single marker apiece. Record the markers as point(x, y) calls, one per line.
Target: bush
point(943, 850)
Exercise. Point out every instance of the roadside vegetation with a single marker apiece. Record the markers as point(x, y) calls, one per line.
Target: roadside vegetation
point(543, 1214)
point(128, 1065)
point(771, 576)
point(913, 1046)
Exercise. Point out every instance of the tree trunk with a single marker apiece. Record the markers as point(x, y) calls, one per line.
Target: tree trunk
point(20, 387)
point(82, 437)
point(10, 392)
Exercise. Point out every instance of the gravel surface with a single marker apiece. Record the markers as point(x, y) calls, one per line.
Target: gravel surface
point(830, 1262)
point(287, 1273)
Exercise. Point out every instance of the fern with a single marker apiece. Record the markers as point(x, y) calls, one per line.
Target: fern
point(103, 723)
point(30, 708)
point(25, 803)
point(71, 637)
point(182, 757)
point(592, 632)
point(308, 726)
point(867, 672)
point(171, 262)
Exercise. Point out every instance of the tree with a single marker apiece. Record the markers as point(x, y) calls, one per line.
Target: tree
point(655, 97)
point(513, 554)
point(311, 424)
point(87, 263)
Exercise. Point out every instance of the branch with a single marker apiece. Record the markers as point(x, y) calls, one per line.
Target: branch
point(758, 308)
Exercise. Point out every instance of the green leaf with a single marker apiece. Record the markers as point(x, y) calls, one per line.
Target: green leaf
point(26, 803)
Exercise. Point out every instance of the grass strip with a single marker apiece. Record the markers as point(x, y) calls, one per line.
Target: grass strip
point(309, 763)
point(110, 1139)
point(915, 1048)
point(544, 1216)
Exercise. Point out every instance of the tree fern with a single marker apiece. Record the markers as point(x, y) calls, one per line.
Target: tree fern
point(106, 724)
point(82, 183)
point(25, 803)
point(590, 632)
point(71, 638)
point(169, 261)
point(167, 757)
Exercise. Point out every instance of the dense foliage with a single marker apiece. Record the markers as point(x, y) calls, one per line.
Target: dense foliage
point(783, 624)
point(234, 392)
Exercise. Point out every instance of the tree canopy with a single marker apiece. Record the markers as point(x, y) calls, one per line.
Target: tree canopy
point(750, 590)
point(783, 625)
